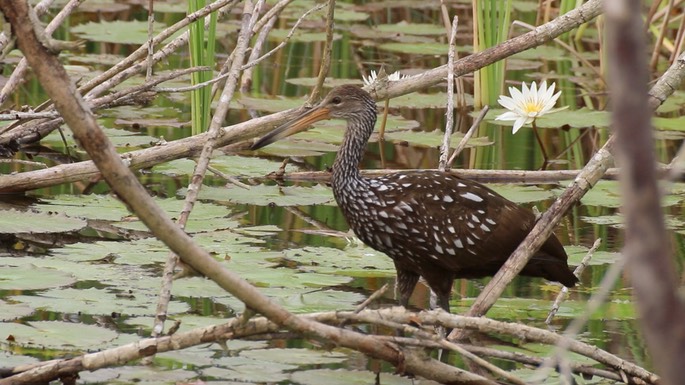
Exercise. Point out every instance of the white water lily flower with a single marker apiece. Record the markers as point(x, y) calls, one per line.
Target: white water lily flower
point(528, 104)
point(395, 76)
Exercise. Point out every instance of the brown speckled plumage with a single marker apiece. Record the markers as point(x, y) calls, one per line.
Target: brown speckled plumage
point(432, 224)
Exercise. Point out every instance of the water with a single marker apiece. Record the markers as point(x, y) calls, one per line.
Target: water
point(102, 274)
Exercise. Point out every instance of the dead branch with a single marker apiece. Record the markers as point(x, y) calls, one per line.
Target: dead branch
point(261, 328)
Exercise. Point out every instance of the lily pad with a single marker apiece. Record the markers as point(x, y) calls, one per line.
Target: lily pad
point(232, 165)
point(544, 52)
point(16, 222)
point(430, 29)
point(98, 302)
point(58, 335)
point(433, 100)
point(526, 309)
point(295, 356)
point(316, 301)
point(360, 261)
point(670, 124)
point(434, 138)
point(28, 277)
point(118, 31)
point(328, 82)
point(142, 375)
point(9, 360)
point(576, 253)
point(428, 49)
point(300, 36)
point(293, 147)
point(262, 195)
point(523, 193)
point(93, 206)
point(347, 377)
point(580, 118)
point(13, 311)
point(248, 370)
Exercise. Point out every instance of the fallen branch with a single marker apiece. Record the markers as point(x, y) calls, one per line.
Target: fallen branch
point(261, 328)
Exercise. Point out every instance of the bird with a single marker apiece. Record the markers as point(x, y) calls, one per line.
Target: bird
point(432, 224)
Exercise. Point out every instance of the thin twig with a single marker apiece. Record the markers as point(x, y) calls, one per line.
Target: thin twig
point(19, 74)
point(462, 144)
point(449, 123)
point(284, 41)
point(228, 178)
point(376, 294)
point(131, 65)
point(571, 332)
point(326, 57)
point(150, 38)
point(20, 115)
point(577, 272)
point(494, 369)
point(250, 15)
point(195, 86)
point(246, 81)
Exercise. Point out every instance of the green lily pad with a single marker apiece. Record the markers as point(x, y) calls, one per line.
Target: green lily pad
point(29, 277)
point(17, 222)
point(271, 104)
point(521, 309)
point(231, 165)
point(248, 370)
point(543, 52)
point(674, 103)
point(300, 36)
point(360, 261)
point(523, 193)
point(293, 147)
point(580, 118)
point(93, 206)
point(262, 195)
point(118, 31)
point(58, 335)
point(295, 356)
point(434, 138)
point(670, 124)
point(13, 311)
point(142, 375)
point(403, 27)
point(576, 253)
point(347, 377)
point(328, 82)
point(428, 49)
point(432, 100)
point(316, 301)
point(10, 360)
point(99, 301)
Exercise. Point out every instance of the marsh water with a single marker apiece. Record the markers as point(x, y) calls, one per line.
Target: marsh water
point(78, 273)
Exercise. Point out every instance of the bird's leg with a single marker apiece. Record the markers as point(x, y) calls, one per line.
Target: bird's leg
point(443, 301)
point(404, 285)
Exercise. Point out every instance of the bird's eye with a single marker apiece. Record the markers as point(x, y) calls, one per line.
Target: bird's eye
point(336, 100)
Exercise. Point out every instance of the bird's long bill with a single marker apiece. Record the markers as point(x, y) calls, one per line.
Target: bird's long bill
point(294, 126)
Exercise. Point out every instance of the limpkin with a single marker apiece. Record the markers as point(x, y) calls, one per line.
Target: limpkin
point(432, 224)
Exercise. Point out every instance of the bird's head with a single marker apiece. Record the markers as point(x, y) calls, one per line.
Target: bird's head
point(343, 102)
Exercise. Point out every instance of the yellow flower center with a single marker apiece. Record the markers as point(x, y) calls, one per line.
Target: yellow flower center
point(531, 108)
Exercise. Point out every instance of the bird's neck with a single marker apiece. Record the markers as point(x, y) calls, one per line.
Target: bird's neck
point(357, 134)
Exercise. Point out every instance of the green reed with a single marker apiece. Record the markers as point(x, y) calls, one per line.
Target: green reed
point(202, 51)
point(491, 20)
